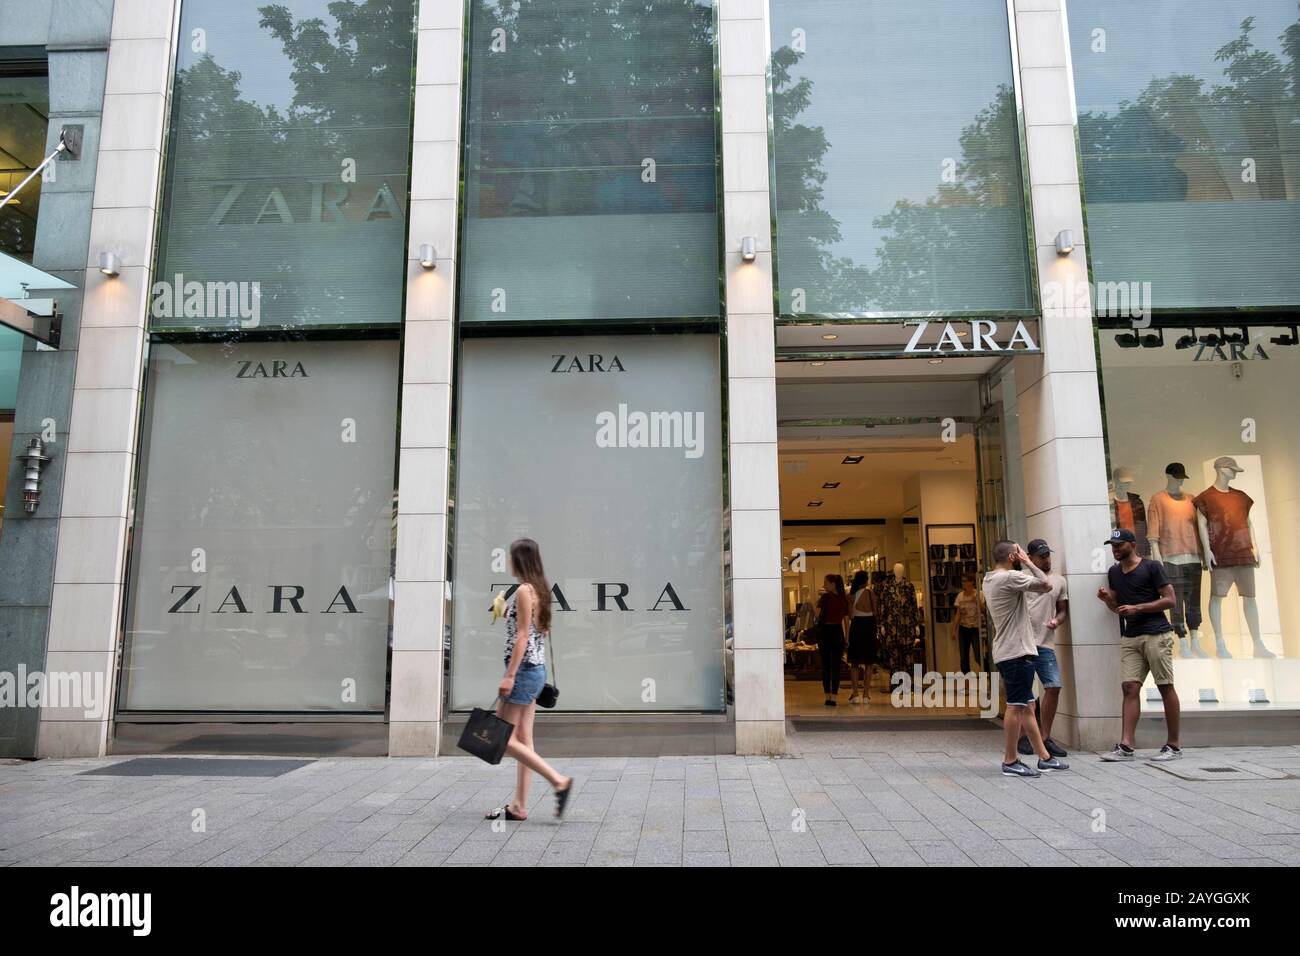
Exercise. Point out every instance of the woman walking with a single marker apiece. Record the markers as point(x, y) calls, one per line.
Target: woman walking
point(529, 613)
point(832, 611)
point(863, 650)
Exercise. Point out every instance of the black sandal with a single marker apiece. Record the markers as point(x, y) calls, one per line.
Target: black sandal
point(497, 813)
point(562, 798)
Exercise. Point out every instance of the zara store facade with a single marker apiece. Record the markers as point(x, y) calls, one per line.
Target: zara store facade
point(395, 283)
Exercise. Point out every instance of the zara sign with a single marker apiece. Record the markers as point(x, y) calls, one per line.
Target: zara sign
point(981, 336)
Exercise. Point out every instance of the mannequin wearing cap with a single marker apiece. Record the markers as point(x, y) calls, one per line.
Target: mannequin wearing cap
point(1230, 550)
point(1172, 532)
point(1127, 509)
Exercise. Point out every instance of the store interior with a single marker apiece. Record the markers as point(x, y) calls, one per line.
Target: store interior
point(881, 464)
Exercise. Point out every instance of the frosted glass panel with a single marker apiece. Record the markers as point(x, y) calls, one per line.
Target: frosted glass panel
point(260, 575)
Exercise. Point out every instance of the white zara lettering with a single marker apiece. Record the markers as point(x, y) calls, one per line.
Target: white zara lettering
point(635, 429)
point(103, 909)
point(981, 332)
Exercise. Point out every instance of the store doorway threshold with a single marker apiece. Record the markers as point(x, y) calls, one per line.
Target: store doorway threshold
point(805, 725)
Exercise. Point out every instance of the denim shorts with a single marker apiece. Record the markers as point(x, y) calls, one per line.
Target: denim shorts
point(1018, 680)
point(528, 684)
point(1048, 668)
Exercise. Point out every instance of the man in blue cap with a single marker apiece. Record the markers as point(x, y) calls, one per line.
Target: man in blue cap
point(1140, 593)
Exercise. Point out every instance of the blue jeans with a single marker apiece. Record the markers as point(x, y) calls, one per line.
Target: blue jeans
point(1048, 668)
point(528, 684)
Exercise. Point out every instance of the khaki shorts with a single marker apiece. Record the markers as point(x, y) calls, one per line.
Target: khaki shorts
point(1147, 653)
point(1242, 575)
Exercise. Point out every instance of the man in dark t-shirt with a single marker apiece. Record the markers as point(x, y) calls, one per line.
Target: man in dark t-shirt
point(1140, 593)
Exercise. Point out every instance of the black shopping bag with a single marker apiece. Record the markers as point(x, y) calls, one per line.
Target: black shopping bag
point(486, 735)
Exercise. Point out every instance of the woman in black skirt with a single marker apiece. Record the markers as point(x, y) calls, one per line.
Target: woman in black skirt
point(862, 637)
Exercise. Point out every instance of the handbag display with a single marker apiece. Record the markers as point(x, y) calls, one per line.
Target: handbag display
point(485, 735)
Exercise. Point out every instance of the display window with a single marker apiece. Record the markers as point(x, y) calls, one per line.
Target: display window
point(261, 561)
point(607, 451)
point(1204, 466)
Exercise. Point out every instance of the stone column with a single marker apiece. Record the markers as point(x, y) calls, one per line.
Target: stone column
point(751, 382)
point(421, 589)
point(90, 557)
point(1062, 445)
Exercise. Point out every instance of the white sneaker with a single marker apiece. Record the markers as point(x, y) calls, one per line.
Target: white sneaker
point(1168, 753)
point(1119, 755)
point(855, 699)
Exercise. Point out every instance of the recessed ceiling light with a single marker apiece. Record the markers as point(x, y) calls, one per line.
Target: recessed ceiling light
point(830, 337)
point(830, 484)
point(852, 460)
point(814, 504)
point(936, 361)
point(816, 364)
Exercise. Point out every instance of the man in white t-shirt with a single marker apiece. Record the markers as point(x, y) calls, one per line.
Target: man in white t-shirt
point(1006, 593)
point(1047, 612)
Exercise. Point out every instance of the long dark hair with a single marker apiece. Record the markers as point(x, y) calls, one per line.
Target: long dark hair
point(860, 580)
point(837, 583)
point(526, 563)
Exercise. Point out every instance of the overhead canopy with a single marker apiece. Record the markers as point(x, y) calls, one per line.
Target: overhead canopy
point(27, 299)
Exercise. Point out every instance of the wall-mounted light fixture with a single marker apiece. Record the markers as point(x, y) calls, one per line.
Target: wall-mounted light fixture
point(748, 249)
point(33, 459)
point(108, 264)
point(428, 256)
point(1064, 242)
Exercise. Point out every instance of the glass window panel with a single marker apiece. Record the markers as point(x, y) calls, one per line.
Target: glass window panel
point(628, 520)
point(261, 564)
point(590, 162)
point(24, 127)
point(897, 176)
point(1190, 133)
point(288, 164)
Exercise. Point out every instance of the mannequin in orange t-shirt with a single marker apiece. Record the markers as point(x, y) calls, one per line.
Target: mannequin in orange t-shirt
point(1171, 526)
point(1230, 550)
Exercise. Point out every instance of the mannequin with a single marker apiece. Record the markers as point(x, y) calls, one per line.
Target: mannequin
point(1127, 509)
point(1172, 530)
point(1230, 550)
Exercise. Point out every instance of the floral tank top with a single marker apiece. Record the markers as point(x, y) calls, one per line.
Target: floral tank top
point(535, 653)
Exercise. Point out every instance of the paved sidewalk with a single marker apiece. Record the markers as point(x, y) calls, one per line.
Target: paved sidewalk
point(863, 799)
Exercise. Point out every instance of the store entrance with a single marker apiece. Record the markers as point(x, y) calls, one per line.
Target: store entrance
point(897, 473)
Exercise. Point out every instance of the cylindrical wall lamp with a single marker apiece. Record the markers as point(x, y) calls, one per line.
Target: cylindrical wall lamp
point(1064, 242)
point(33, 459)
point(748, 249)
point(108, 264)
point(428, 256)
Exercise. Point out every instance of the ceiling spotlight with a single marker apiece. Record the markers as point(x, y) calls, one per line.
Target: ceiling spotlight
point(1186, 341)
point(936, 361)
point(816, 364)
point(852, 460)
point(830, 484)
point(814, 504)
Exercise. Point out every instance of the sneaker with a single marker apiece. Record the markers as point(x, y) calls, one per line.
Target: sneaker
point(1055, 749)
point(1019, 769)
point(1119, 754)
point(1024, 747)
point(1050, 764)
point(855, 699)
point(1168, 753)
